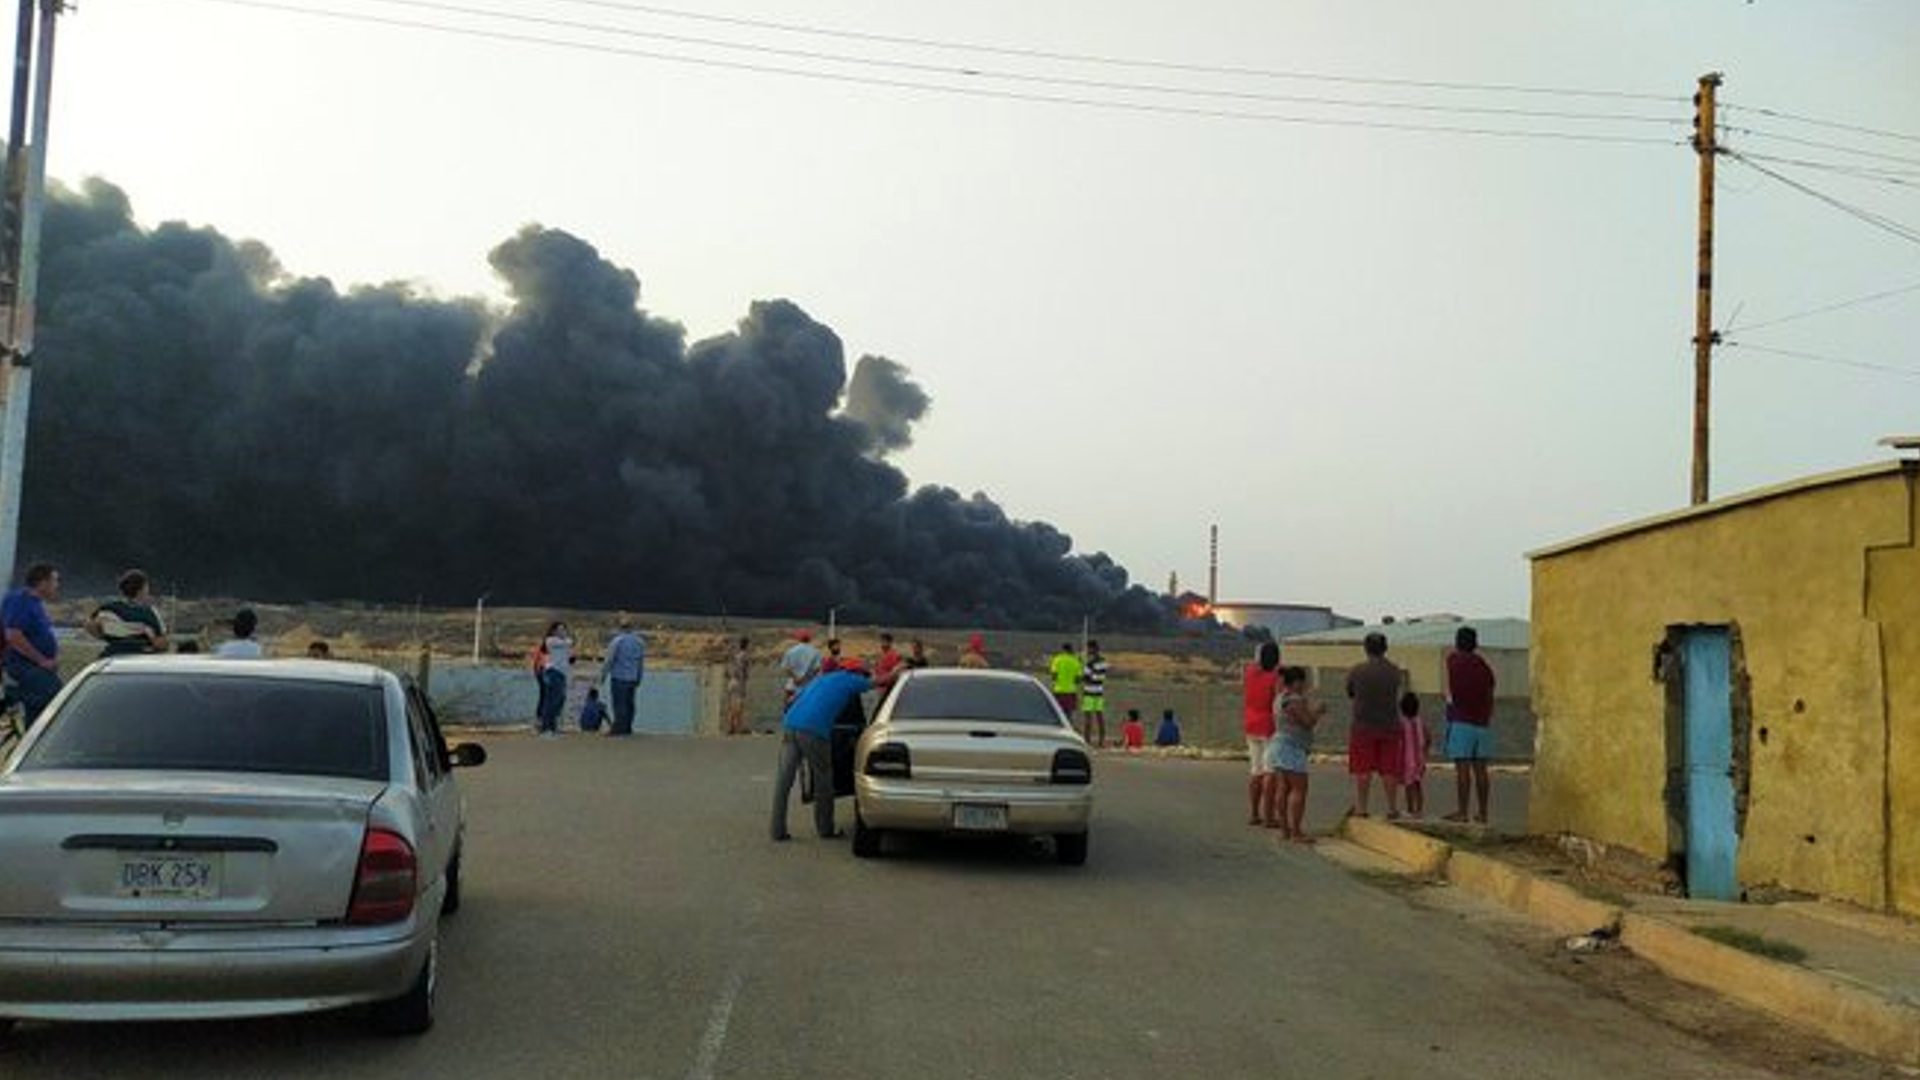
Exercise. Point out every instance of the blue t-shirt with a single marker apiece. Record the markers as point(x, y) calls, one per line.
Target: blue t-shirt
point(1169, 733)
point(23, 611)
point(821, 700)
point(626, 657)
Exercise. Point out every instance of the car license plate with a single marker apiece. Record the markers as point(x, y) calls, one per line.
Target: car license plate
point(975, 818)
point(168, 877)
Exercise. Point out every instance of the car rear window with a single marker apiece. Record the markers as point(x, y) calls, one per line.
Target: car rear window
point(962, 697)
point(217, 723)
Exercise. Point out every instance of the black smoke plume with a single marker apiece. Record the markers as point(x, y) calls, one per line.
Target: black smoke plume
point(202, 414)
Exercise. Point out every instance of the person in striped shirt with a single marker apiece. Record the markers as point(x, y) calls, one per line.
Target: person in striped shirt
point(1093, 695)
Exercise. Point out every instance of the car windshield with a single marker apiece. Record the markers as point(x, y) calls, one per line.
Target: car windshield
point(961, 697)
point(218, 724)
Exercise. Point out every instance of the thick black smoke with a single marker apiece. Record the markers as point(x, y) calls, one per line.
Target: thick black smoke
point(232, 429)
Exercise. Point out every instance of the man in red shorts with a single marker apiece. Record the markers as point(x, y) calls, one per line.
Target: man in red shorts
point(1373, 743)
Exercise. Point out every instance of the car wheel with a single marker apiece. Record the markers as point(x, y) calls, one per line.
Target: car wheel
point(1071, 848)
point(866, 840)
point(6, 1030)
point(450, 903)
point(412, 1012)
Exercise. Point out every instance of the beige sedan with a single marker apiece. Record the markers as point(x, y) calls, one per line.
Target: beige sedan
point(978, 752)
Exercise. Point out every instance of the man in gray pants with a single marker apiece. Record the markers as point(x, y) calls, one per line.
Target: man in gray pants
point(807, 733)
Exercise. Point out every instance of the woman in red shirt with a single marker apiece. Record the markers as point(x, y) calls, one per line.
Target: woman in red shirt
point(1259, 685)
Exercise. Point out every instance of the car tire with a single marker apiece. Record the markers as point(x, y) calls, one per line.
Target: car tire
point(866, 840)
point(1071, 848)
point(7, 1025)
point(412, 1012)
point(450, 903)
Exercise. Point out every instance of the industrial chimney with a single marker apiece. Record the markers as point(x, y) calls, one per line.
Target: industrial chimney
point(1213, 565)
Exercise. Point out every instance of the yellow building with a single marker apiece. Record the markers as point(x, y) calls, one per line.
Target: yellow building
point(1735, 688)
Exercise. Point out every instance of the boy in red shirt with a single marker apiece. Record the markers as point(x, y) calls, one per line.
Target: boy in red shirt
point(1133, 734)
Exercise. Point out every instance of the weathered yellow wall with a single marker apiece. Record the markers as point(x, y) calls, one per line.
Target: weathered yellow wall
point(1893, 598)
point(1791, 573)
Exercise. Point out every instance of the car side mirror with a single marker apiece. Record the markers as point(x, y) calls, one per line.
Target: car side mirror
point(467, 755)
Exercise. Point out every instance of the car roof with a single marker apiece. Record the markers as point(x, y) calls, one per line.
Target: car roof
point(982, 674)
point(334, 671)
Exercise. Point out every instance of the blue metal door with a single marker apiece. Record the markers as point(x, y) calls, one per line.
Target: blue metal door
point(1712, 844)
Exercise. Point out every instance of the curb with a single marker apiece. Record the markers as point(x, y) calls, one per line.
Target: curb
point(1846, 1014)
point(1552, 904)
point(1426, 855)
point(1849, 1015)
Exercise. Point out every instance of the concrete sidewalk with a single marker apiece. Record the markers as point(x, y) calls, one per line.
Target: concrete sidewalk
point(1849, 975)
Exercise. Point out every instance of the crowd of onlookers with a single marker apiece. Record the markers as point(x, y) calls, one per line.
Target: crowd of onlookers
point(1388, 738)
point(128, 624)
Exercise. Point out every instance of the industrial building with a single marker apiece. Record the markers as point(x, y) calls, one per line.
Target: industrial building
point(1280, 620)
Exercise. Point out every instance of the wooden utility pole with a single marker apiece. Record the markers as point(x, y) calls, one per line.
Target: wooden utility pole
point(1706, 145)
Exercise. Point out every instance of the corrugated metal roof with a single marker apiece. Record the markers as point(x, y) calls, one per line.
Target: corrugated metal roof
point(1730, 502)
point(1494, 633)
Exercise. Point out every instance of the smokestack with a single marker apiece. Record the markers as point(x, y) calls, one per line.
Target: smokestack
point(1213, 565)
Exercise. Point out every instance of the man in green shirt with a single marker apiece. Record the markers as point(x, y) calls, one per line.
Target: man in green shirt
point(1066, 679)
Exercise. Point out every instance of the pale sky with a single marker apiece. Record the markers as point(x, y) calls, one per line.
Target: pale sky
point(1386, 363)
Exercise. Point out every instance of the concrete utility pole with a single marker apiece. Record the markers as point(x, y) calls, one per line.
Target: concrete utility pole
point(1706, 144)
point(26, 183)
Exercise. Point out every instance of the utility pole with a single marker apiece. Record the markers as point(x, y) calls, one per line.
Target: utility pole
point(26, 183)
point(1706, 145)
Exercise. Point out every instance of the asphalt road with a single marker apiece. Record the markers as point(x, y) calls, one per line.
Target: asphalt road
point(627, 917)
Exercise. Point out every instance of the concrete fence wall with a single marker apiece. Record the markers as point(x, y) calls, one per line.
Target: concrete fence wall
point(671, 701)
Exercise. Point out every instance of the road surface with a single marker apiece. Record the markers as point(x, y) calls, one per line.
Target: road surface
point(626, 916)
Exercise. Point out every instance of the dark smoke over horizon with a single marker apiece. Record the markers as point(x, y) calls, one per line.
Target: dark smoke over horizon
point(200, 413)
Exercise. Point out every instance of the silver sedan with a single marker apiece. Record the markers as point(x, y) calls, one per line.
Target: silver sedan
point(198, 839)
point(969, 751)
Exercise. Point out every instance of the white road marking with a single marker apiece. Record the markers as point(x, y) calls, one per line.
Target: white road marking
point(715, 1038)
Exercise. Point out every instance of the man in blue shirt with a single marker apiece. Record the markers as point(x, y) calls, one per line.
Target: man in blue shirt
point(807, 732)
point(624, 667)
point(32, 652)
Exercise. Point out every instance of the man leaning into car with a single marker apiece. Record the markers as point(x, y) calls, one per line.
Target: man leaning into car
point(807, 732)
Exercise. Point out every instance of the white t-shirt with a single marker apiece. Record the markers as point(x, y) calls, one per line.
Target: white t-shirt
point(560, 655)
point(240, 649)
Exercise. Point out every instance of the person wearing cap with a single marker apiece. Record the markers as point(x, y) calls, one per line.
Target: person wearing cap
point(623, 668)
point(801, 663)
point(975, 655)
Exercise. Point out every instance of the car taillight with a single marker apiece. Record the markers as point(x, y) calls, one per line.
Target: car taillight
point(1072, 767)
point(383, 886)
point(890, 759)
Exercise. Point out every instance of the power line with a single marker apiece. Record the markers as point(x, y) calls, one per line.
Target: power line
point(1113, 61)
point(1020, 76)
point(1836, 125)
point(1822, 310)
point(962, 91)
point(1901, 177)
point(1878, 221)
point(1820, 145)
point(1861, 365)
